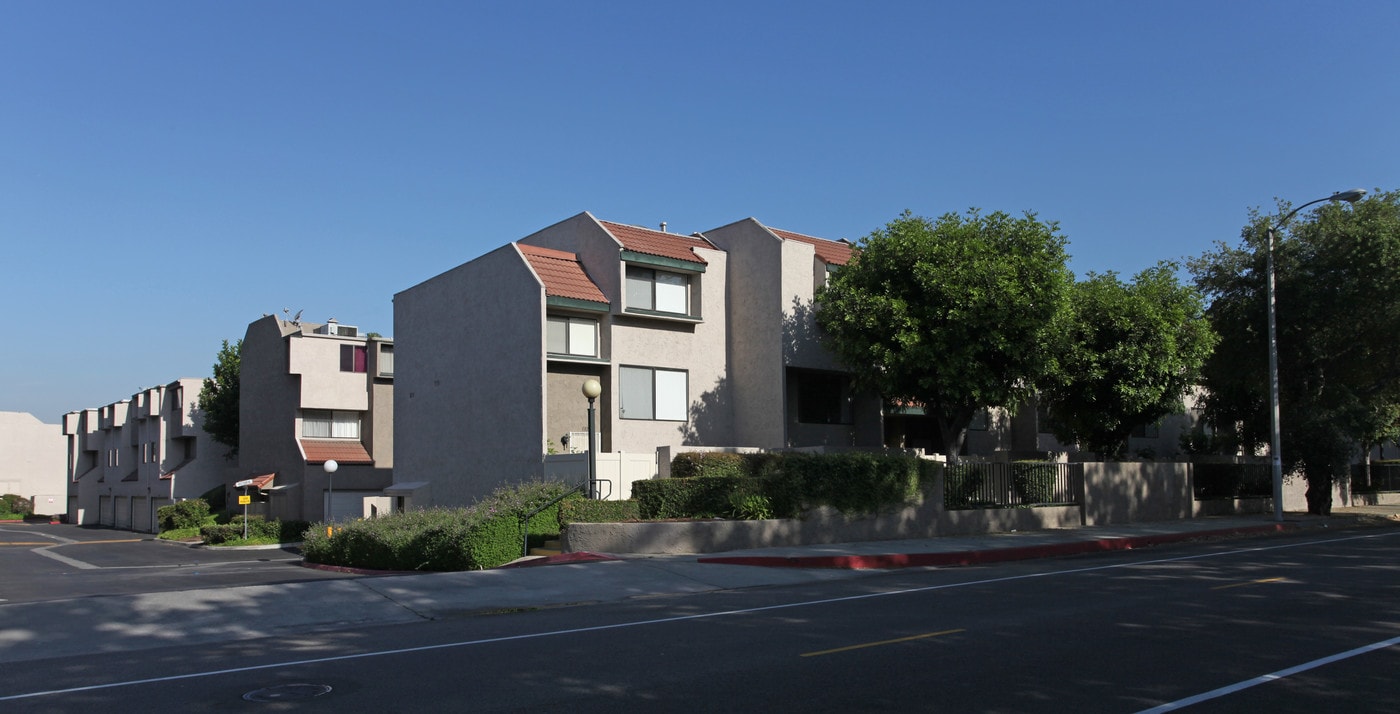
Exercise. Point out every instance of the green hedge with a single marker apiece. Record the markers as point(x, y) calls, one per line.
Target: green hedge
point(781, 485)
point(584, 510)
point(182, 515)
point(258, 528)
point(486, 535)
point(961, 483)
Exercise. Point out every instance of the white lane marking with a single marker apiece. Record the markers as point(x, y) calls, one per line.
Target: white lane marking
point(665, 620)
point(64, 559)
point(1264, 679)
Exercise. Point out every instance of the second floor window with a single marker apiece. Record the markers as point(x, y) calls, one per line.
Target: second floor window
point(352, 358)
point(658, 290)
point(327, 424)
point(573, 336)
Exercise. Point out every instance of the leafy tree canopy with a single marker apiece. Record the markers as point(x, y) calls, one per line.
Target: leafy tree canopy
point(955, 314)
point(218, 398)
point(1338, 311)
point(1130, 353)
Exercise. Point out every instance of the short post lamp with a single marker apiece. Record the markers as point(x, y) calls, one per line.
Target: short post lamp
point(591, 390)
point(330, 466)
point(1275, 446)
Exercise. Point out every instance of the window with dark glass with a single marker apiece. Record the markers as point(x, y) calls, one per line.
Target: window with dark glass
point(352, 358)
point(823, 397)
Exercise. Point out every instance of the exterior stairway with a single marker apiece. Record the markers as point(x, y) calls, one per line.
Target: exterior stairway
point(550, 547)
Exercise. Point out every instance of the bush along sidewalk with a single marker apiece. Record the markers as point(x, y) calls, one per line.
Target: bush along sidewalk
point(486, 535)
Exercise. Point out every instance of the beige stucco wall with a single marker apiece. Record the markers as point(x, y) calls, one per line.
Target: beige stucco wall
point(469, 378)
point(32, 461)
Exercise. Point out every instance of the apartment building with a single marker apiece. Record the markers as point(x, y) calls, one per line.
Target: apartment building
point(127, 459)
point(310, 394)
point(700, 340)
point(31, 462)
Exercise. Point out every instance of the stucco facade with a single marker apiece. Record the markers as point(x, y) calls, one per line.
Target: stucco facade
point(310, 393)
point(127, 459)
point(696, 341)
point(31, 462)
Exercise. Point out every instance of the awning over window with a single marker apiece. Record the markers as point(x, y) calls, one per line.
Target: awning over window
point(342, 451)
point(256, 481)
point(406, 488)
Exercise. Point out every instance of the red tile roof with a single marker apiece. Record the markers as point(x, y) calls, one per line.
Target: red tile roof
point(562, 274)
point(658, 243)
point(831, 252)
point(261, 481)
point(345, 451)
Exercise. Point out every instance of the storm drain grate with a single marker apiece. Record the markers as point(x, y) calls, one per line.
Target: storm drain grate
point(287, 693)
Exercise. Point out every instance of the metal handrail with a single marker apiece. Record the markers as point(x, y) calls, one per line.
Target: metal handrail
point(525, 521)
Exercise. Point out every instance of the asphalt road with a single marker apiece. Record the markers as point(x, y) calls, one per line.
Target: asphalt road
point(1305, 623)
point(59, 561)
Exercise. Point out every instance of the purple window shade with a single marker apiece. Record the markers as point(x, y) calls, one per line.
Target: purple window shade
point(353, 358)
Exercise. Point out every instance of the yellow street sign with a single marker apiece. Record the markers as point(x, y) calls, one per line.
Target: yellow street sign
point(245, 500)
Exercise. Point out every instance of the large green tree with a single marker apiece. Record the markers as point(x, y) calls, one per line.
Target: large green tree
point(954, 314)
point(1338, 311)
point(218, 398)
point(1131, 352)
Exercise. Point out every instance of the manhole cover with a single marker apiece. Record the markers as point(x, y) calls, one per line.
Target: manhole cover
point(287, 693)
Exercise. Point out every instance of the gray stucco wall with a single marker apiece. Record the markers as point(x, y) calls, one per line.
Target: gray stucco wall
point(754, 295)
point(469, 378)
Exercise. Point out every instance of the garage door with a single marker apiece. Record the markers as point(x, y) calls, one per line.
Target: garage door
point(141, 514)
point(123, 509)
point(105, 511)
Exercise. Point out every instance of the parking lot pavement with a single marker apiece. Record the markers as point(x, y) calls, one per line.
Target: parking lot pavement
point(61, 561)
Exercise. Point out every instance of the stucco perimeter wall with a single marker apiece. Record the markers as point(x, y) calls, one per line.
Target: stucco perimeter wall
point(1131, 492)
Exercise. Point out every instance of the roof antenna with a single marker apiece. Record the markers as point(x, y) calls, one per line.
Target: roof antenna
point(663, 226)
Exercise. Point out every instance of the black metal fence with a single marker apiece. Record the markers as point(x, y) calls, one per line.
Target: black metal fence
point(1011, 485)
point(1228, 481)
point(1383, 477)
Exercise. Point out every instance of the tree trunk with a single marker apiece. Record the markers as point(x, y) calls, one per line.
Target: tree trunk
point(1319, 494)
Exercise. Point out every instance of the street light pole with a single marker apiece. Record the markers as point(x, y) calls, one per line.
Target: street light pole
point(330, 466)
point(1276, 436)
point(591, 390)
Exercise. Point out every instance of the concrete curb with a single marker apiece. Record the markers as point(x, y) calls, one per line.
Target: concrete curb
point(995, 555)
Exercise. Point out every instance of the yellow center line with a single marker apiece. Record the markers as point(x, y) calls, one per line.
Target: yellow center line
point(883, 642)
point(1251, 582)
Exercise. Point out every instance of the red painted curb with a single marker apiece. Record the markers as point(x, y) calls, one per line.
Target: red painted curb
point(579, 557)
point(993, 555)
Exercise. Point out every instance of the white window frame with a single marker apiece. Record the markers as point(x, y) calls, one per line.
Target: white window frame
point(330, 424)
point(653, 394)
point(655, 290)
point(580, 336)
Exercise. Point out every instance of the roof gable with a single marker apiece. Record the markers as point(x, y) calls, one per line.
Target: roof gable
point(658, 243)
point(562, 273)
point(831, 252)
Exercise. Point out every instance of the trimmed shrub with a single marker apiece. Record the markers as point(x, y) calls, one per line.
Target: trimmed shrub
point(258, 528)
point(718, 464)
point(16, 504)
point(695, 497)
point(587, 510)
point(1034, 481)
point(182, 515)
point(782, 485)
point(486, 535)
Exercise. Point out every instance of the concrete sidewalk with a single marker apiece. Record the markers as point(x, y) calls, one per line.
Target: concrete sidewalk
point(57, 629)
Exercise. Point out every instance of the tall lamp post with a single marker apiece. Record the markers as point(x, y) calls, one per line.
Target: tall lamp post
point(1276, 444)
point(591, 389)
point(330, 466)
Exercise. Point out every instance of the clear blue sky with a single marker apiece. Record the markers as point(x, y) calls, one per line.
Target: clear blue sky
point(170, 171)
